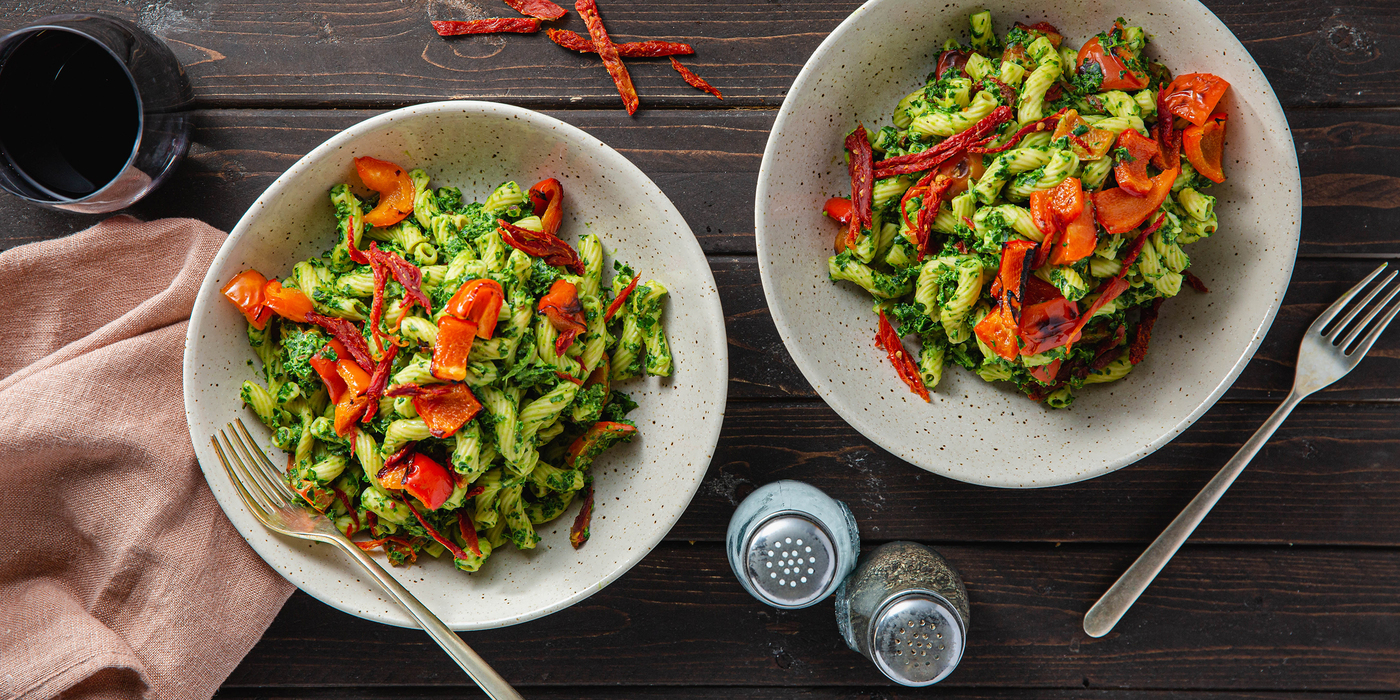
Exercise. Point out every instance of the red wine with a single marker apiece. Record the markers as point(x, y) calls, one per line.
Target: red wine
point(71, 116)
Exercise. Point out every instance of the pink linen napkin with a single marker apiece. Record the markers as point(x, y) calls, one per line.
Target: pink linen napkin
point(119, 575)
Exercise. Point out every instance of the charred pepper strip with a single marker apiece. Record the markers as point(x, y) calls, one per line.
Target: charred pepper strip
point(513, 25)
point(540, 9)
point(346, 332)
point(588, 10)
point(862, 168)
point(914, 162)
point(694, 80)
point(578, 534)
point(889, 341)
point(631, 49)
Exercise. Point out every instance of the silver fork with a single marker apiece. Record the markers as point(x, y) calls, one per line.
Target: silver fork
point(274, 504)
point(1323, 359)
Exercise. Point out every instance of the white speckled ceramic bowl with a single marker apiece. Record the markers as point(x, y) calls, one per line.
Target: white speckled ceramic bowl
point(983, 433)
point(642, 487)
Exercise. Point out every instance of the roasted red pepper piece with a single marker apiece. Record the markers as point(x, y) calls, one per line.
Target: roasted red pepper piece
point(380, 378)
point(579, 532)
point(1108, 291)
point(514, 25)
point(394, 186)
point(551, 194)
point(430, 483)
point(325, 368)
point(541, 245)
point(454, 346)
point(620, 300)
point(565, 313)
point(588, 10)
point(839, 208)
point(631, 49)
point(479, 301)
point(540, 9)
point(694, 80)
point(1043, 323)
point(1044, 29)
point(1131, 172)
point(915, 162)
point(1142, 334)
point(861, 167)
point(444, 408)
point(1079, 237)
point(1045, 219)
point(1120, 211)
point(246, 291)
point(348, 334)
point(1091, 145)
point(599, 437)
point(1193, 96)
point(390, 475)
point(888, 340)
point(1067, 200)
point(999, 329)
point(1044, 124)
point(356, 379)
point(348, 411)
point(290, 304)
point(1116, 74)
point(1204, 147)
point(1045, 374)
point(950, 60)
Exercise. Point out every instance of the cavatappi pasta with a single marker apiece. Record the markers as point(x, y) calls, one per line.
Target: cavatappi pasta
point(1026, 212)
point(443, 381)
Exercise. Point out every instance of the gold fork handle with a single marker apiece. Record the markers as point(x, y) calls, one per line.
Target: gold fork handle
point(481, 672)
point(1115, 603)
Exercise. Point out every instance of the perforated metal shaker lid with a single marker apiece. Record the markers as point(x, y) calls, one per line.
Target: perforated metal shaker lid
point(791, 561)
point(916, 639)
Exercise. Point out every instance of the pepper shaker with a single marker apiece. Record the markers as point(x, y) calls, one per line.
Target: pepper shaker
point(791, 545)
point(905, 609)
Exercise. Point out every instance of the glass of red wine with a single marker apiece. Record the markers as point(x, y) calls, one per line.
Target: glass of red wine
point(95, 113)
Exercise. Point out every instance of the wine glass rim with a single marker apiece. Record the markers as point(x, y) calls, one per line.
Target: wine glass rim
point(48, 23)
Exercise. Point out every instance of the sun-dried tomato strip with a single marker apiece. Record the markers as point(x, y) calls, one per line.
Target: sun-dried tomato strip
point(923, 160)
point(356, 254)
point(588, 10)
point(377, 380)
point(631, 49)
point(376, 309)
point(904, 365)
point(449, 544)
point(354, 517)
point(405, 273)
point(620, 300)
point(694, 80)
point(541, 245)
point(578, 534)
point(468, 530)
point(1142, 334)
point(404, 547)
point(928, 210)
point(513, 25)
point(541, 9)
point(348, 334)
point(1195, 282)
point(862, 167)
point(568, 377)
point(1008, 93)
point(1037, 125)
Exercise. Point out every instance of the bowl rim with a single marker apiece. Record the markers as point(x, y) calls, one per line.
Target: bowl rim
point(706, 305)
point(1273, 113)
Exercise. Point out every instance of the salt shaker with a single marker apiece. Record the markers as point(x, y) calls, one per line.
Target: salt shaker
point(791, 545)
point(905, 609)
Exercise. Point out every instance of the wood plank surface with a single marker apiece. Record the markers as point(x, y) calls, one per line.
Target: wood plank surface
point(1327, 477)
point(1219, 618)
point(762, 693)
point(256, 53)
point(707, 164)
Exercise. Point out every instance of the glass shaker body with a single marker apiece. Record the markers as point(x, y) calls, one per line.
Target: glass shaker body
point(791, 545)
point(905, 609)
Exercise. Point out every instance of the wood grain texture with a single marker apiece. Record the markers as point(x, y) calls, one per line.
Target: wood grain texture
point(762, 693)
point(257, 53)
point(1327, 477)
point(1219, 618)
point(707, 164)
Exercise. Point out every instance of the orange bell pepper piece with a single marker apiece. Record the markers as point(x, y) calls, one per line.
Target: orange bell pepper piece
point(1204, 147)
point(1116, 74)
point(326, 368)
point(245, 290)
point(1120, 211)
point(478, 301)
point(548, 198)
point(599, 437)
point(999, 329)
point(454, 345)
point(1193, 96)
point(355, 378)
point(1131, 171)
point(395, 190)
point(565, 313)
point(348, 411)
point(287, 303)
point(1092, 144)
point(445, 409)
point(1079, 239)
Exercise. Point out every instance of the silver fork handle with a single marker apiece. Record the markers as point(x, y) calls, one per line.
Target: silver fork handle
point(495, 686)
point(1115, 603)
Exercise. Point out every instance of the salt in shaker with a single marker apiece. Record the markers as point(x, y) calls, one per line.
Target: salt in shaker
point(905, 609)
point(791, 545)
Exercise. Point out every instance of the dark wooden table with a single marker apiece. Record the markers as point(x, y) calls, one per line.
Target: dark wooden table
point(1290, 589)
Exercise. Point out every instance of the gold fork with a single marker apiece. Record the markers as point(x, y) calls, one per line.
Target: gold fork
point(274, 504)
